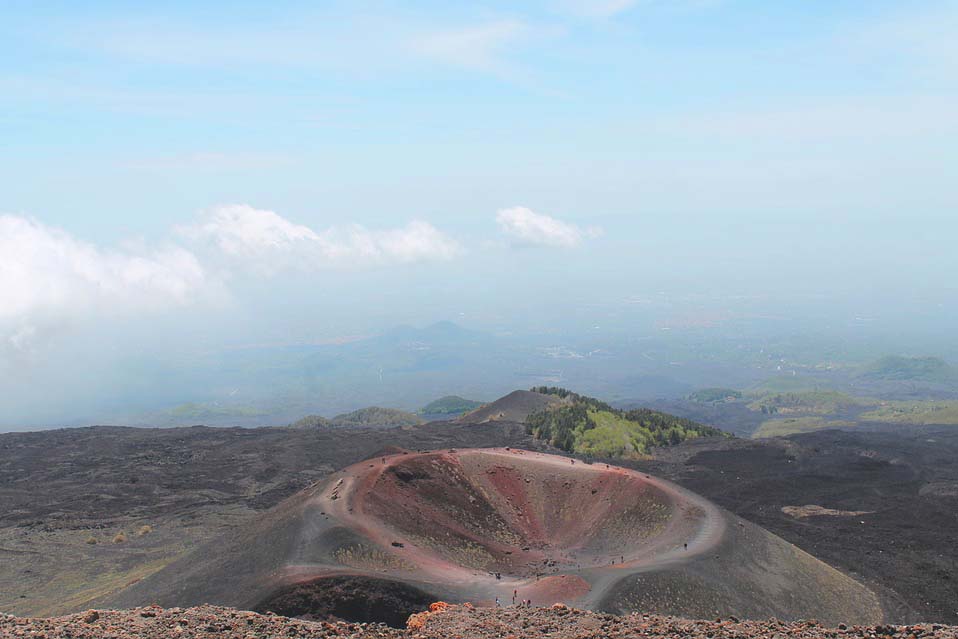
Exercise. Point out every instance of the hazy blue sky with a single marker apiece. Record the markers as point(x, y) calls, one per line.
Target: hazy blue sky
point(264, 171)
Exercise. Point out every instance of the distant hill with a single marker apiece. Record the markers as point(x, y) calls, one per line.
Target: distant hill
point(915, 412)
point(376, 416)
point(371, 416)
point(514, 407)
point(311, 421)
point(786, 384)
point(450, 405)
point(710, 395)
point(200, 413)
point(818, 402)
point(589, 426)
point(897, 367)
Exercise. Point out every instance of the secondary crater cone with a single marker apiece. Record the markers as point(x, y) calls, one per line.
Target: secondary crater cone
point(377, 539)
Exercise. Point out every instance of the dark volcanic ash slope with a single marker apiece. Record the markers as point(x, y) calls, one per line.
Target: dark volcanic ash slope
point(61, 488)
point(902, 483)
point(191, 485)
point(514, 407)
point(478, 524)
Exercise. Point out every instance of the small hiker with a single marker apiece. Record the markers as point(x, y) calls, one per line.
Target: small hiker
point(686, 546)
point(514, 593)
point(497, 602)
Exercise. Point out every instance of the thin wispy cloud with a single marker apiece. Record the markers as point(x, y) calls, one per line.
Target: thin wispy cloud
point(210, 161)
point(298, 42)
point(596, 8)
point(605, 9)
point(356, 44)
point(919, 45)
point(481, 48)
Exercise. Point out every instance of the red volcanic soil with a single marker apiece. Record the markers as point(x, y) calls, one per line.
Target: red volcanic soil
point(561, 622)
point(554, 622)
point(204, 622)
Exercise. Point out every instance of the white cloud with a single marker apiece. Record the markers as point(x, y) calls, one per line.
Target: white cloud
point(49, 278)
point(919, 44)
point(321, 39)
point(46, 275)
point(268, 241)
point(242, 231)
point(840, 119)
point(416, 241)
point(528, 227)
point(601, 9)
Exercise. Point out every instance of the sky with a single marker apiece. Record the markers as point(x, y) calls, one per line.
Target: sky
point(252, 172)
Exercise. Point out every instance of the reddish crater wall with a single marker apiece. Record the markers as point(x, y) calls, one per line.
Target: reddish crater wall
point(519, 514)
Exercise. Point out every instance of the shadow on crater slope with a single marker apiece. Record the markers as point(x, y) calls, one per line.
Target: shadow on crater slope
point(385, 536)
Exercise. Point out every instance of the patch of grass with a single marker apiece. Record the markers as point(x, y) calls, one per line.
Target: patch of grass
point(79, 588)
point(120, 538)
point(792, 425)
point(915, 413)
point(144, 530)
point(612, 436)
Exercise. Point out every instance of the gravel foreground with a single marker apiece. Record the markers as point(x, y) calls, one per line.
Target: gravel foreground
point(443, 621)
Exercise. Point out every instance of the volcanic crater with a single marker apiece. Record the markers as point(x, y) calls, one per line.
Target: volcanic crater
point(521, 515)
point(376, 540)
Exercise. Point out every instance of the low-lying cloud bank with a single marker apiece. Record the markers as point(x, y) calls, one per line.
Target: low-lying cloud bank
point(49, 276)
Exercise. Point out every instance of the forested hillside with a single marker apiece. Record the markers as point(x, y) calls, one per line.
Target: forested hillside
point(588, 426)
